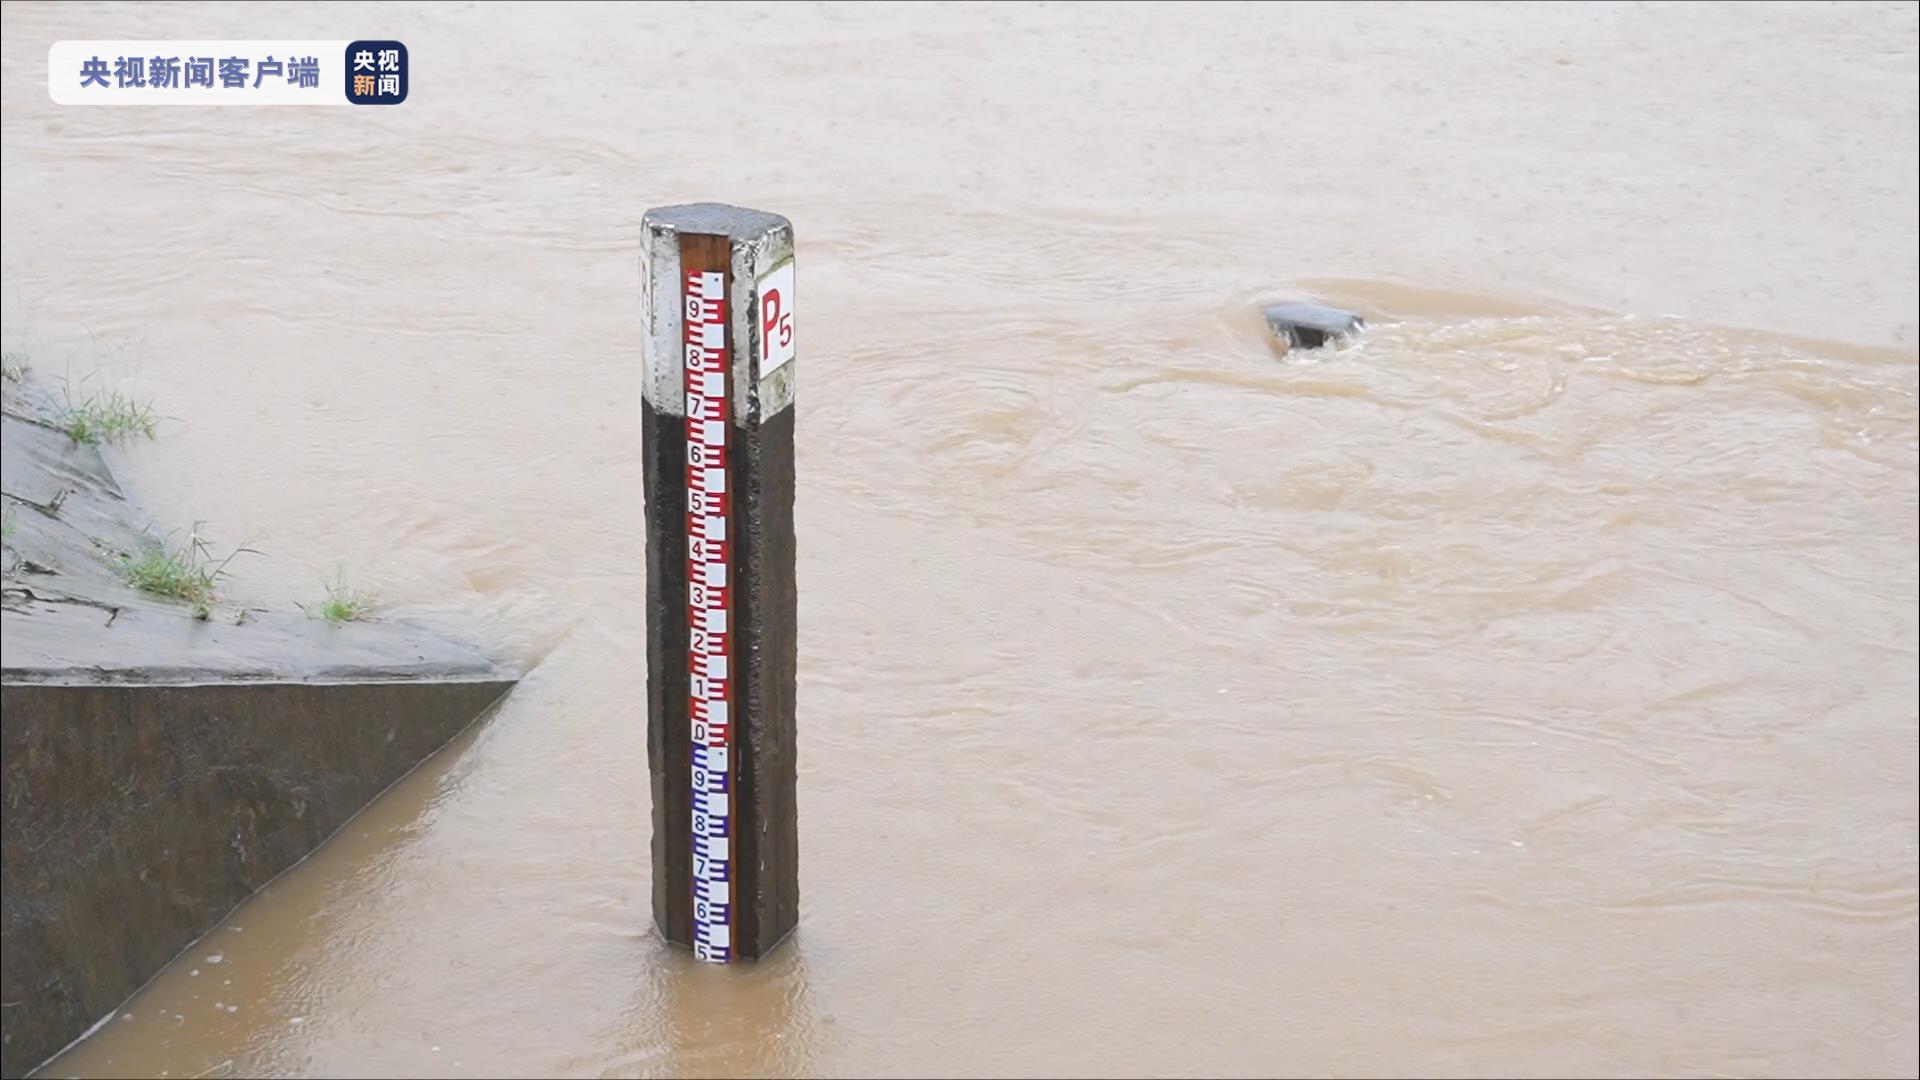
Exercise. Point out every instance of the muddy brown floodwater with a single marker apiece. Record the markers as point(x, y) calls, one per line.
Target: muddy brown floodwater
point(1527, 689)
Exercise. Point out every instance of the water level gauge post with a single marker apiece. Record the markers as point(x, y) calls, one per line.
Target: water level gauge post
point(717, 425)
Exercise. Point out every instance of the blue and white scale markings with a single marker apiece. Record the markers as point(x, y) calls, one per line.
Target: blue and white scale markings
point(709, 606)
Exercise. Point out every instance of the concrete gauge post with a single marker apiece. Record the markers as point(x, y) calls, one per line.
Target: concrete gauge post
point(717, 428)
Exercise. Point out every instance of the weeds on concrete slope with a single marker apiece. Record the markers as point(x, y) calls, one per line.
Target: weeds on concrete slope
point(104, 416)
point(14, 366)
point(342, 603)
point(184, 572)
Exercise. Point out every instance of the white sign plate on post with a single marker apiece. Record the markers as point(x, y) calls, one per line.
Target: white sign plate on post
point(775, 291)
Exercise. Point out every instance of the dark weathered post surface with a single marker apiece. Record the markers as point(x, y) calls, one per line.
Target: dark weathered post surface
point(717, 428)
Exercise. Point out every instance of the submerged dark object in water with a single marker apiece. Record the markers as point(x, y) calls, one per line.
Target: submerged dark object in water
point(1309, 326)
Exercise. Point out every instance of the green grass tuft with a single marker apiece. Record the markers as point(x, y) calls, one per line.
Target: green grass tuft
point(169, 573)
point(342, 603)
point(106, 417)
point(14, 366)
point(186, 572)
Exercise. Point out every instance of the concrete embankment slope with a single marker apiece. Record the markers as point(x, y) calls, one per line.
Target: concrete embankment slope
point(158, 767)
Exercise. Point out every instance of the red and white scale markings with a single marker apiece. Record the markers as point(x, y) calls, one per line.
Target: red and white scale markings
point(709, 609)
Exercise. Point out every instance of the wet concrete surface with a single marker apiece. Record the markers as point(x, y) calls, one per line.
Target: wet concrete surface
point(136, 816)
point(159, 768)
point(69, 616)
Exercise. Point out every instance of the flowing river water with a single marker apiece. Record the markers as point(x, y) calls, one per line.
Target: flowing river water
point(1528, 688)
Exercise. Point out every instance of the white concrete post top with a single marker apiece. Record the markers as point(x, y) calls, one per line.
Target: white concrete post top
point(760, 291)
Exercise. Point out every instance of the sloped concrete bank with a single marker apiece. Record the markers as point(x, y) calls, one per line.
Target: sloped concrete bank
point(158, 767)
